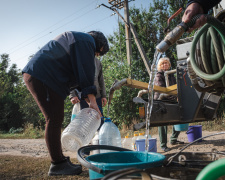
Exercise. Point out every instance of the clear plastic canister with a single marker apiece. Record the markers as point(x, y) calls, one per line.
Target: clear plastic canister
point(81, 130)
point(126, 143)
point(75, 111)
point(109, 134)
point(133, 145)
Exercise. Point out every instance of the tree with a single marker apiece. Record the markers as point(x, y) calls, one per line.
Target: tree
point(9, 114)
point(149, 26)
point(16, 104)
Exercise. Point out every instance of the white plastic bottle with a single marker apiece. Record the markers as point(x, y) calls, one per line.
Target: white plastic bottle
point(95, 141)
point(134, 142)
point(109, 134)
point(126, 143)
point(75, 111)
point(81, 130)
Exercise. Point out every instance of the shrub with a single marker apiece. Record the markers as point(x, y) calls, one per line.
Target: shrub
point(15, 131)
point(32, 132)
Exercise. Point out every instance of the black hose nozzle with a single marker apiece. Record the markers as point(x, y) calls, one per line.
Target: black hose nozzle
point(175, 34)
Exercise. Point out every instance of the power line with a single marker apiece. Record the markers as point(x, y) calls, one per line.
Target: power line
point(19, 59)
point(52, 25)
point(98, 22)
point(89, 11)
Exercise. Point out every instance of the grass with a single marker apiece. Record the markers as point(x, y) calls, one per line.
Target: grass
point(30, 132)
point(20, 168)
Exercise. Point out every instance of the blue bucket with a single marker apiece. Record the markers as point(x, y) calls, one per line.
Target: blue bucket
point(181, 127)
point(194, 133)
point(140, 145)
point(113, 161)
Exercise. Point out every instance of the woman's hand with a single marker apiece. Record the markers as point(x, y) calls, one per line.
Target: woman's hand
point(104, 101)
point(92, 103)
point(194, 9)
point(75, 100)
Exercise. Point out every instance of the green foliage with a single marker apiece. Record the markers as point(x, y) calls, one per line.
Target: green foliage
point(9, 114)
point(33, 132)
point(27, 132)
point(15, 131)
point(149, 25)
point(68, 106)
point(18, 108)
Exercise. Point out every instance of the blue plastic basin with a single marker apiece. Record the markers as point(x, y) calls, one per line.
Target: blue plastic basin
point(181, 127)
point(112, 161)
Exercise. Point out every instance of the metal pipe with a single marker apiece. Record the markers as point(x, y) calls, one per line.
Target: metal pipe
point(166, 74)
point(163, 96)
point(116, 85)
point(141, 92)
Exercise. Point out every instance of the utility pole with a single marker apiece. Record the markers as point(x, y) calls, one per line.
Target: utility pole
point(128, 32)
point(130, 29)
point(120, 4)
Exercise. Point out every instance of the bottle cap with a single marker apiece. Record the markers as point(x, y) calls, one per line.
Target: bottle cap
point(126, 136)
point(135, 134)
point(107, 120)
point(141, 134)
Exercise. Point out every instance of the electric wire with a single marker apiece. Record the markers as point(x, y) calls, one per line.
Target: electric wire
point(50, 26)
point(17, 60)
point(89, 11)
point(97, 22)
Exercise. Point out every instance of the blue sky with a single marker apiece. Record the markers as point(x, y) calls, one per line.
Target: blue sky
point(27, 25)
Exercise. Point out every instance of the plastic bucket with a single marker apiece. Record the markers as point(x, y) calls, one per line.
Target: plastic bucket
point(194, 132)
point(140, 145)
point(113, 161)
point(181, 127)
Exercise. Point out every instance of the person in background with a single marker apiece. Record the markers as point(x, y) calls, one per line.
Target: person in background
point(195, 7)
point(164, 65)
point(63, 63)
point(101, 93)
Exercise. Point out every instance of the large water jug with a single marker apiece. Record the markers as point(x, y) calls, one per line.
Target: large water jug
point(133, 145)
point(109, 134)
point(141, 136)
point(75, 111)
point(126, 143)
point(95, 141)
point(81, 130)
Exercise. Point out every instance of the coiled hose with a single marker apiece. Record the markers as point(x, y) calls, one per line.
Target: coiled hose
point(210, 66)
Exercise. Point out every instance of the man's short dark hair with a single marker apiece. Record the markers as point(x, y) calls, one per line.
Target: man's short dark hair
point(100, 41)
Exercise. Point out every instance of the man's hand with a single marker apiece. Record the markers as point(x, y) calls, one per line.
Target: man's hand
point(74, 100)
point(91, 100)
point(192, 10)
point(104, 101)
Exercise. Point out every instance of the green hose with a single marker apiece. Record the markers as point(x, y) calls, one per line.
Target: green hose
point(210, 66)
point(213, 171)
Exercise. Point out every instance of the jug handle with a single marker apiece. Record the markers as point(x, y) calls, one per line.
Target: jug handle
point(81, 152)
point(188, 131)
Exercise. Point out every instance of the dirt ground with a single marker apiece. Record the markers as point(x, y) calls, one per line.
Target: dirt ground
point(37, 147)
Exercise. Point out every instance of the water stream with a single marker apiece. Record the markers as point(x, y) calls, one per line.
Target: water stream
point(150, 96)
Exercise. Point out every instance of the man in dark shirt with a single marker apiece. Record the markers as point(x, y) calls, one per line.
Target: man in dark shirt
point(65, 63)
point(195, 7)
